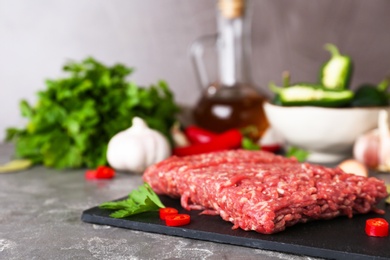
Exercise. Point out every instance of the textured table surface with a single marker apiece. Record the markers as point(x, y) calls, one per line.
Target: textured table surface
point(40, 212)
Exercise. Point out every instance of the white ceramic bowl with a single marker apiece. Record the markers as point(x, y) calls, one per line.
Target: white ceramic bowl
point(328, 134)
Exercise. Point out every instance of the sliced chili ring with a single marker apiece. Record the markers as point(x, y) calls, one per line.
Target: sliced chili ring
point(164, 212)
point(90, 174)
point(105, 172)
point(102, 172)
point(377, 227)
point(177, 220)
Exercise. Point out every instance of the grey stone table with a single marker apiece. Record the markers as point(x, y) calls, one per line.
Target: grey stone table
point(40, 212)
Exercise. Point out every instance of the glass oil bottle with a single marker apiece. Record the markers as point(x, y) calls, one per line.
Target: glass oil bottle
point(231, 100)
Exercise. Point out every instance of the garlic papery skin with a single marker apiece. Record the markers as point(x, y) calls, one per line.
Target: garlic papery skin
point(179, 138)
point(384, 137)
point(137, 148)
point(373, 147)
point(366, 149)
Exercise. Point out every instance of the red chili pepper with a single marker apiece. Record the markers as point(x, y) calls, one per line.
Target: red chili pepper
point(102, 172)
point(164, 212)
point(230, 139)
point(197, 135)
point(271, 148)
point(177, 220)
point(377, 227)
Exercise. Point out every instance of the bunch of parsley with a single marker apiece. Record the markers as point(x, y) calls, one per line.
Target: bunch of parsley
point(75, 117)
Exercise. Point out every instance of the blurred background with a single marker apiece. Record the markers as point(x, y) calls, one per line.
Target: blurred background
point(38, 37)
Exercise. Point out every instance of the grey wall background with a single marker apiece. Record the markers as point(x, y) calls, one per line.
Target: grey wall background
point(38, 37)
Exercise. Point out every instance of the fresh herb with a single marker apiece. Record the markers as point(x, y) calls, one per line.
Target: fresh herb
point(142, 200)
point(371, 95)
point(248, 144)
point(300, 154)
point(75, 117)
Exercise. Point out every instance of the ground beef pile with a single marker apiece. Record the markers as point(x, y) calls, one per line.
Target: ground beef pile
point(260, 191)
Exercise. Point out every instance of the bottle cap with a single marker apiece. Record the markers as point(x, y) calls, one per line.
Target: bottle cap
point(231, 8)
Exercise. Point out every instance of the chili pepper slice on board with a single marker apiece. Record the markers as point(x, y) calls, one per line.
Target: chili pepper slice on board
point(230, 139)
point(177, 220)
point(377, 227)
point(164, 212)
point(197, 135)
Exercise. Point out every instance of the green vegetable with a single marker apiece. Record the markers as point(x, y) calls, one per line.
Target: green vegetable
point(336, 73)
point(286, 83)
point(368, 95)
point(248, 144)
point(142, 200)
point(306, 94)
point(75, 117)
point(300, 154)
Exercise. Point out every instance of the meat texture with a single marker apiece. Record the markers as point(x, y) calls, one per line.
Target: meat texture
point(260, 191)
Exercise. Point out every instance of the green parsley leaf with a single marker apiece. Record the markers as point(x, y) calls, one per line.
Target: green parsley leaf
point(248, 144)
point(76, 115)
point(143, 199)
point(300, 154)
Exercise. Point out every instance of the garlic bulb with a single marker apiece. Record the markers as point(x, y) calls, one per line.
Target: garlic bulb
point(384, 137)
point(366, 149)
point(137, 148)
point(373, 147)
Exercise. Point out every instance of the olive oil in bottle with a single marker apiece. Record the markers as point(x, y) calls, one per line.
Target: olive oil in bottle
point(237, 106)
point(232, 101)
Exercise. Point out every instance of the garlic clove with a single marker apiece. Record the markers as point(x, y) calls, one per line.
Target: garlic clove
point(138, 126)
point(120, 157)
point(156, 148)
point(179, 138)
point(354, 167)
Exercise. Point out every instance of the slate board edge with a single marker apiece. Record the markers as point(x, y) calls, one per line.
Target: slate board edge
point(89, 216)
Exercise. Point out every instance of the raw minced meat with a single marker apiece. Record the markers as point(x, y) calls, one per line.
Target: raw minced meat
point(260, 191)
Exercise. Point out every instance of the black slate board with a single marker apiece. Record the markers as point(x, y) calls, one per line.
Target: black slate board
point(340, 238)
